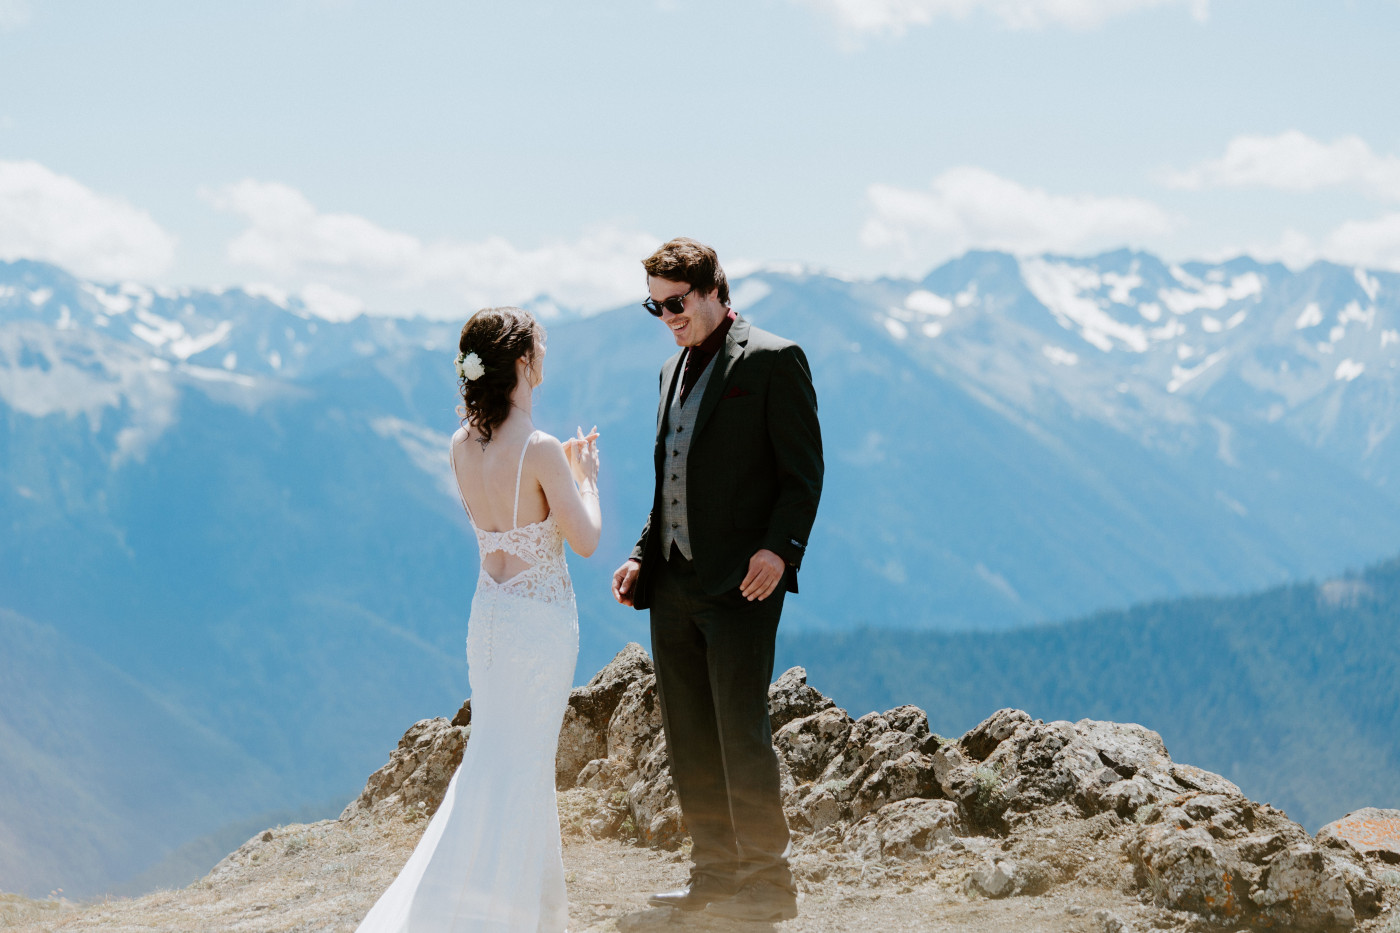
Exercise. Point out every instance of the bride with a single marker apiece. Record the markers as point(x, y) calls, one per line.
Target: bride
point(490, 860)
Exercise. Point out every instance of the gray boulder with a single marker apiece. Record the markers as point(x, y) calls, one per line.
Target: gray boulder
point(809, 744)
point(903, 830)
point(418, 771)
point(583, 734)
point(1370, 831)
point(1227, 856)
point(789, 698)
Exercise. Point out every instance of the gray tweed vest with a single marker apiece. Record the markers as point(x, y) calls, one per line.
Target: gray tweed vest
point(680, 425)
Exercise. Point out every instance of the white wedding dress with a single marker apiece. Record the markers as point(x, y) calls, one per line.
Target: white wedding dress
point(490, 860)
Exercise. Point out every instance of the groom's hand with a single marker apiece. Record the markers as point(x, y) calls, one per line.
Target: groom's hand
point(624, 580)
point(765, 573)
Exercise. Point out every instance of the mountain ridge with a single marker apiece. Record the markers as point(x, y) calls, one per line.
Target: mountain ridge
point(259, 527)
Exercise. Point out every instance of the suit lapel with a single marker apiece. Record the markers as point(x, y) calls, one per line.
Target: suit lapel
point(669, 374)
point(728, 355)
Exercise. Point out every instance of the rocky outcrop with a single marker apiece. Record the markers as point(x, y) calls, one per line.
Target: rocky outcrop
point(1370, 830)
point(416, 776)
point(1023, 805)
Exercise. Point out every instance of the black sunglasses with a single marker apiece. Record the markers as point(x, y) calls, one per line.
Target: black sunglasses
point(675, 304)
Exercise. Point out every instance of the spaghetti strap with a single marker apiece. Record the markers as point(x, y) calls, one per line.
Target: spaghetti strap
point(452, 458)
point(515, 513)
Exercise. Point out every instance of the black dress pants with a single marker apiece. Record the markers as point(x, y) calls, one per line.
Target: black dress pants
point(714, 662)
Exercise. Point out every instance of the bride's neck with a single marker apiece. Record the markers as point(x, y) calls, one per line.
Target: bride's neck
point(522, 399)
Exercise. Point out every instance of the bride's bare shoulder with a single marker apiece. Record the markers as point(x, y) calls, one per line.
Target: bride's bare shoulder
point(545, 443)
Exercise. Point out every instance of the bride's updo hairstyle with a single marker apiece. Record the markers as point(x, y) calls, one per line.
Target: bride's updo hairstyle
point(498, 337)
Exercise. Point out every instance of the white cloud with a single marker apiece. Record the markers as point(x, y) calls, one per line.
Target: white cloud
point(336, 260)
point(1294, 161)
point(895, 17)
point(51, 217)
point(1371, 244)
point(970, 207)
point(13, 14)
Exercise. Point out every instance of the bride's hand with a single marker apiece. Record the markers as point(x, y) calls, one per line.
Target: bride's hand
point(582, 451)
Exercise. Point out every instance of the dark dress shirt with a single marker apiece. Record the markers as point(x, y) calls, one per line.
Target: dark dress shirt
point(698, 357)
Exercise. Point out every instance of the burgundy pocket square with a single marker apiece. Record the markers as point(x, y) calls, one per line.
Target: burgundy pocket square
point(736, 392)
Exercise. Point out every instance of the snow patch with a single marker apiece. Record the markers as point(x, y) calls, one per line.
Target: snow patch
point(1348, 370)
point(1061, 286)
point(143, 295)
point(83, 373)
point(1121, 287)
point(1369, 284)
point(1311, 317)
point(749, 293)
point(426, 448)
point(997, 582)
point(1353, 312)
point(209, 374)
point(112, 304)
point(156, 330)
point(1181, 375)
point(272, 293)
point(1185, 278)
point(1168, 331)
point(1211, 296)
point(185, 347)
point(926, 302)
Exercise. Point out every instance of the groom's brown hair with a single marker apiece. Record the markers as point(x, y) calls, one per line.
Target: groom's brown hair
point(690, 261)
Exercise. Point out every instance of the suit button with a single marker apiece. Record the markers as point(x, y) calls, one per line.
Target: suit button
point(675, 525)
point(675, 502)
point(680, 428)
point(675, 453)
point(674, 478)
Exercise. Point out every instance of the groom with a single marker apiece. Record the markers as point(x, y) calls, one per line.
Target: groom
point(738, 475)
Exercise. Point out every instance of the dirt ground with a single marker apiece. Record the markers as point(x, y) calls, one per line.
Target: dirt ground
point(325, 876)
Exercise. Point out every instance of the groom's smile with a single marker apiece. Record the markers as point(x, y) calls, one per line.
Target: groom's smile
point(700, 313)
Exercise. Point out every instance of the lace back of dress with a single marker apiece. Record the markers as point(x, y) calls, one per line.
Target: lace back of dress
point(539, 545)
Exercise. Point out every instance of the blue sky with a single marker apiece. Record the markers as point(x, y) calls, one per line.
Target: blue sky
point(435, 156)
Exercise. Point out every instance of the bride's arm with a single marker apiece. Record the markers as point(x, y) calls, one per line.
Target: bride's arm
point(571, 488)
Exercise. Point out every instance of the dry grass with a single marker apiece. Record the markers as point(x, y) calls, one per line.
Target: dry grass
point(325, 876)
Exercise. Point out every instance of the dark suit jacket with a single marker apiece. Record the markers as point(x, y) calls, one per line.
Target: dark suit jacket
point(755, 469)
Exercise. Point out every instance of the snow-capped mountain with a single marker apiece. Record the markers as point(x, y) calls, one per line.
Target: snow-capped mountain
point(245, 510)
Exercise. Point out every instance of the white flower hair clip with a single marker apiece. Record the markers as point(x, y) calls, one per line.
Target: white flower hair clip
point(469, 366)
